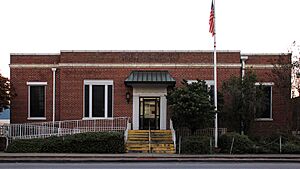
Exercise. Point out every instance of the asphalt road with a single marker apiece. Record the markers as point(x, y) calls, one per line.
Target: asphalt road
point(150, 165)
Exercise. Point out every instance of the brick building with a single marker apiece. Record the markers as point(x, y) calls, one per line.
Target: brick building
point(107, 84)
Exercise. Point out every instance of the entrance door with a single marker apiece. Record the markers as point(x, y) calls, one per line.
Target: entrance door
point(149, 113)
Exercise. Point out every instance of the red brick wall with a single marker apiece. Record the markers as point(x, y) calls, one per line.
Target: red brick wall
point(69, 81)
point(148, 57)
point(19, 78)
point(34, 59)
point(281, 108)
point(268, 59)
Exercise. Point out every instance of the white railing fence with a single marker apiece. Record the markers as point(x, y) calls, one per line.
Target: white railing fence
point(184, 132)
point(60, 128)
point(173, 133)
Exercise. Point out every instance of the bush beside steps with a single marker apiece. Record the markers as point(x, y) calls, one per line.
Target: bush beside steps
point(196, 145)
point(101, 142)
point(241, 144)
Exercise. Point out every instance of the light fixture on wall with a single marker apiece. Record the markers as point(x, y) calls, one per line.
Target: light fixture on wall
point(127, 97)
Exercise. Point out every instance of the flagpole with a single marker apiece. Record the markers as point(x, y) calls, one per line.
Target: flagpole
point(215, 79)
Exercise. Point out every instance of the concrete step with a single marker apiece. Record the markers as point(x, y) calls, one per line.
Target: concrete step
point(137, 139)
point(163, 137)
point(151, 131)
point(148, 130)
point(152, 145)
point(151, 137)
point(147, 142)
point(161, 141)
point(152, 151)
point(151, 148)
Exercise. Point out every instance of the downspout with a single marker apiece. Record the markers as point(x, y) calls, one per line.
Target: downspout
point(243, 59)
point(53, 99)
point(243, 66)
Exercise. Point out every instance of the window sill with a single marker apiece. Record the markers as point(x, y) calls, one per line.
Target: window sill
point(97, 118)
point(264, 119)
point(36, 118)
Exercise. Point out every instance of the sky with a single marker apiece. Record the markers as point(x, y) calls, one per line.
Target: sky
point(48, 26)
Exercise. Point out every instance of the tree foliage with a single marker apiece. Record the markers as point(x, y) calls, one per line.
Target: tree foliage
point(244, 98)
point(191, 106)
point(284, 75)
point(6, 92)
point(281, 74)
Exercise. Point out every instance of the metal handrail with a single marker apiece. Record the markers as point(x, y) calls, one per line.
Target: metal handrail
point(126, 131)
point(149, 138)
point(173, 133)
point(59, 128)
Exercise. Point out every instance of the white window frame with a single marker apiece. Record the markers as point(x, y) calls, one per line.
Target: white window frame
point(105, 83)
point(271, 84)
point(29, 84)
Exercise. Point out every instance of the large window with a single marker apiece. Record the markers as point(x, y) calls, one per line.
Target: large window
point(98, 101)
point(264, 112)
point(36, 100)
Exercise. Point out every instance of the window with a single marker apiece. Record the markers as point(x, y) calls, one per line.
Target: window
point(36, 100)
point(264, 112)
point(98, 102)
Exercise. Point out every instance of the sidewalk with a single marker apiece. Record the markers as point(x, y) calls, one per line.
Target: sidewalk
point(130, 157)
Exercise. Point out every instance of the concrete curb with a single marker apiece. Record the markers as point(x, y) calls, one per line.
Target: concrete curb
point(71, 158)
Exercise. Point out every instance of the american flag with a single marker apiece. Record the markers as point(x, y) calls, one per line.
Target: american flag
point(211, 19)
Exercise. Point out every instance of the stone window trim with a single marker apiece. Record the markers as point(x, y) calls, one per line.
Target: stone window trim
point(30, 84)
point(105, 83)
point(271, 84)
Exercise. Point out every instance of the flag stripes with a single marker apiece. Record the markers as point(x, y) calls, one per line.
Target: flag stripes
point(212, 19)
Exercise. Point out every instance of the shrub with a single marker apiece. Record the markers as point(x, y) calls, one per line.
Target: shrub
point(196, 145)
point(2, 143)
point(102, 142)
point(270, 144)
point(242, 144)
point(25, 146)
point(291, 148)
point(110, 142)
point(267, 144)
point(53, 145)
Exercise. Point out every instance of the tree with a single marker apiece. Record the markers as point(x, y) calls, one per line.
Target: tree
point(191, 106)
point(7, 92)
point(244, 99)
point(295, 68)
point(284, 75)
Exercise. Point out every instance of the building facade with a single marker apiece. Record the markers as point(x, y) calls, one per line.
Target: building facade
point(79, 85)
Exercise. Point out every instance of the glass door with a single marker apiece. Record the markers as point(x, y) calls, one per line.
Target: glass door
point(149, 113)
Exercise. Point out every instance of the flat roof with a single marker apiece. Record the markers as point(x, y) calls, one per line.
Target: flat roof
point(187, 51)
point(35, 54)
point(263, 54)
point(191, 51)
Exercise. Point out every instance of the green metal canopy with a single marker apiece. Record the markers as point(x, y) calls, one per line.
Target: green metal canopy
point(150, 77)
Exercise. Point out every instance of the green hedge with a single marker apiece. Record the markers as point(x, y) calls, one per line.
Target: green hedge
point(242, 144)
point(267, 144)
point(2, 143)
point(102, 142)
point(270, 144)
point(195, 145)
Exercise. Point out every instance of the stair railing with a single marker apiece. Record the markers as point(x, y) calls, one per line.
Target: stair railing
point(128, 127)
point(173, 133)
point(61, 128)
point(149, 140)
